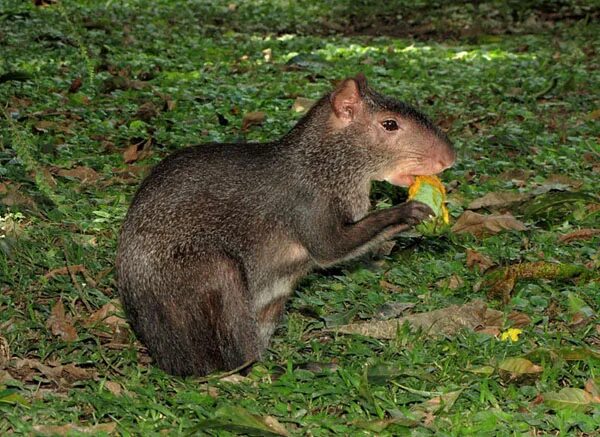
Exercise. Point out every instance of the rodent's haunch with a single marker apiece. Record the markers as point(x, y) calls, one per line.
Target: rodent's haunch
point(218, 234)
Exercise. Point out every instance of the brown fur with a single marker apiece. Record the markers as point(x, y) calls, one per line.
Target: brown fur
point(218, 234)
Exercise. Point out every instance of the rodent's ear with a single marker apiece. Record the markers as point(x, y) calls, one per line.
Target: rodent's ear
point(346, 100)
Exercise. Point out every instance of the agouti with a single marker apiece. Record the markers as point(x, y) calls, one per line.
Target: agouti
point(218, 234)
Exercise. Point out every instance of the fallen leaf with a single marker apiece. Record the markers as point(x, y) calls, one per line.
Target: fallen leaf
point(114, 387)
point(147, 111)
point(84, 174)
point(75, 85)
point(442, 403)
point(108, 315)
point(519, 176)
point(580, 234)
point(4, 352)
point(494, 331)
point(234, 379)
point(60, 324)
point(498, 200)
point(593, 388)
point(445, 321)
point(71, 428)
point(483, 225)
point(518, 320)
point(137, 151)
point(67, 270)
point(452, 283)
point(302, 104)
point(14, 197)
point(594, 115)
point(568, 398)
point(476, 259)
point(25, 370)
point(388, 286)
point(514, 368)
point(392, 309)
point(252, 119)
point(240, 421)
point(560, 179)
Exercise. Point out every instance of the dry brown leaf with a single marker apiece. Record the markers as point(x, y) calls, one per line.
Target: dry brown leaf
point(518, 320)
point(107, 315)
point(137, 151)
point(388, 286)
point(580, 234)
point(71, 428)
point(75, 85)
point(4, 352)
point(43, 126)
point(519, 176)
point(498, 200)
point(445, 321)
point(12, 196)
point(482, 225)
point(114, 387)
point(60, 324)
point(511, 369)
point(502, 286)
point(25, 370)
point(147, 111)
point(562, 179)
point(234, 378)
point(593, 389)
point(252, 119)
point(302, 104)
point(84, 174)
point(494, 331)
point(452, 283)
point(476, 259)
point(67, 270)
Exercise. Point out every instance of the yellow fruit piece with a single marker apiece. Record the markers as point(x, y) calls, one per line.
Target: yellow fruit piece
point(430, 191)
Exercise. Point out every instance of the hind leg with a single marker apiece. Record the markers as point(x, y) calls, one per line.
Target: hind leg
point(196, 317)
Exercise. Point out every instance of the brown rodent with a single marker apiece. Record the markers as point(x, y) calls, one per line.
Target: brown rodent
point(218, 234)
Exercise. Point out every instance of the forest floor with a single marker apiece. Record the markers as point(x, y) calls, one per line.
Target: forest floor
point(92, 94)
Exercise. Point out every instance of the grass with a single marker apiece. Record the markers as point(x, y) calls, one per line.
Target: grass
point(518, 94)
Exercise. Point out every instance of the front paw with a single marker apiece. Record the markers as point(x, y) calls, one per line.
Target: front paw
point(415, 212)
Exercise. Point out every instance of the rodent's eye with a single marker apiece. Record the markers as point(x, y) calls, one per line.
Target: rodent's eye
point(390, 125)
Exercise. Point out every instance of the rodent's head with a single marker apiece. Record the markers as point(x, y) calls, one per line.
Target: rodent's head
point(404, 140)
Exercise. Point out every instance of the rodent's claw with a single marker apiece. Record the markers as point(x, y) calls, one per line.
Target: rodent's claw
point(416, 212)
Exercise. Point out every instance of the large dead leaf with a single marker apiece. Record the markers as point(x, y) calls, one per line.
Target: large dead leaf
point(446, 321)
point(482, 225)
point(580, 234)
point(512, 369)
point(569, 398)
point(27, 369)
point(12, 195)
point(84, 174)
point(65, 271)
point(252, 119)
point(72, 428)
point(498, 200)
point(60, 324)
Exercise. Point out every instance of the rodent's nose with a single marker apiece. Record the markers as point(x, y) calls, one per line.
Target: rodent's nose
point(447, 158)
